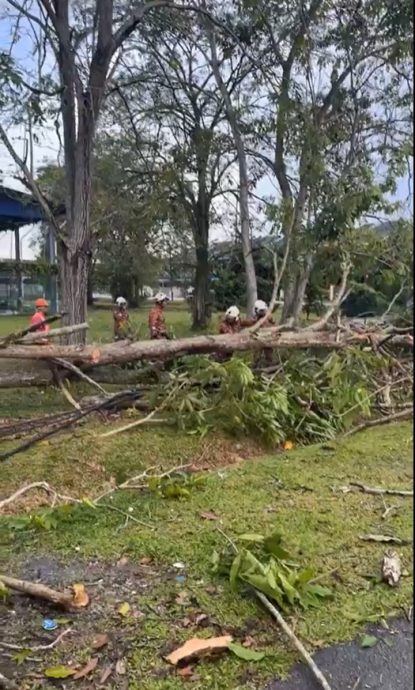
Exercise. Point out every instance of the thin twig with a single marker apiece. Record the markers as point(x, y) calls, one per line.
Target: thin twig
point(126, 515)
point(294, 639)
point(7, 684)
point(71, 367)
point(403, 414)
point(37, 648)
point(68, 396)
point(342, 294)
point(132, 425)
point(380, 491)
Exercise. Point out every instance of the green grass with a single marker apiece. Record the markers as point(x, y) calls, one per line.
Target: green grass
point(297, 493)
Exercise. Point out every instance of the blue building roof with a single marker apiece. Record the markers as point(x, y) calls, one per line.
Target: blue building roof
point(18, 209)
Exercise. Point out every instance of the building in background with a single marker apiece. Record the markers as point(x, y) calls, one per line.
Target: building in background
point(21, 282)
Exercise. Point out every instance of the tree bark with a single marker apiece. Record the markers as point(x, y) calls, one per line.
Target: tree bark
point(250, 274)
point(297, 281)
point(126, 351)
point(201, 291)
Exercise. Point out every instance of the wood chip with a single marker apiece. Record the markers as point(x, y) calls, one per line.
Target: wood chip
point(106, 674)
point(100, 641)
point(196, 648)
point(88, 668)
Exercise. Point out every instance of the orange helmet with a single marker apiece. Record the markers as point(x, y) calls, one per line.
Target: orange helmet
point(41, 302)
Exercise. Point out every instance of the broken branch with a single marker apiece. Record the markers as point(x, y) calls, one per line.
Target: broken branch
point(379, 491)
point(294, 639)
point(37, 590)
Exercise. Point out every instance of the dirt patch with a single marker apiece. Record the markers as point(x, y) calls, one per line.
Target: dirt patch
point(109, 585)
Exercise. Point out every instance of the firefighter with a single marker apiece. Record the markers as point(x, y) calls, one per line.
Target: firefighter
point(121, 318)
point(156, 318)
point(38, 318)
point(231, 322)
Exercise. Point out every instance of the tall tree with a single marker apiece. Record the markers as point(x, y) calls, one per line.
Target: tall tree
point(84, 42)
point(182, 112)
point(336, 80)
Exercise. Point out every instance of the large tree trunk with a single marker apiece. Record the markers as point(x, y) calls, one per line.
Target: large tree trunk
point(74, 290)
point(295, 288)
point(201, 292)
point(126, 351)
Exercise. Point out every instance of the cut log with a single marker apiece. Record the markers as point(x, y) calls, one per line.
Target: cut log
point(126, 351)
point(54, 333)
point(34, 589)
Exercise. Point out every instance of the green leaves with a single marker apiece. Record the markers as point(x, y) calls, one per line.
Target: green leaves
point(59, 672)
point(368, 641)
point(267, 568)
point(179, 485)
point(245, 653)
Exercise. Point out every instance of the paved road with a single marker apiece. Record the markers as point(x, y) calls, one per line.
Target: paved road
point(386, 666)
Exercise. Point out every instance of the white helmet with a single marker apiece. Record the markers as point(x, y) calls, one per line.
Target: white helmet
point(120, 301)
point(260, 307)
point(161, 297)
point(232, 313)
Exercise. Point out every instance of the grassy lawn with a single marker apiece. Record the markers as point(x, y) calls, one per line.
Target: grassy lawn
point(298, 493)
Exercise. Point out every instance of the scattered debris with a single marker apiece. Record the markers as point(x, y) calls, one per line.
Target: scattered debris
point(294, 639)
point(179, 566)
point(59, 672)
point(6, 683)
point(81, 596)
point(389, 510)
point(88, 668)
point(185, 672)
point(386, 538)
point(391, 568)
point(380, 491)
point(37, 648)
point(208, 516)
point(197, 648)
point(245, 653)
point(49, 624)
point(368, 641)
point(100, 641)
point(106, 674)
point(41, 591)
point(121, 667)
point(124, 609)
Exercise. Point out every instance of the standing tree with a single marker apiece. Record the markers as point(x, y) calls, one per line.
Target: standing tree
point(336, 123)
point(85, 43)
point(180, 109)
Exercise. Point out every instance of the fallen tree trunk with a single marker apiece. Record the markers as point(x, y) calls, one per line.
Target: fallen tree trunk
point(126, 351)
point(26, 373)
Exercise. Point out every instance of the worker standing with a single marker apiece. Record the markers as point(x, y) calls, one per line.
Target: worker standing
point(39, 317)
point(156, 318)
point(121, 318)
